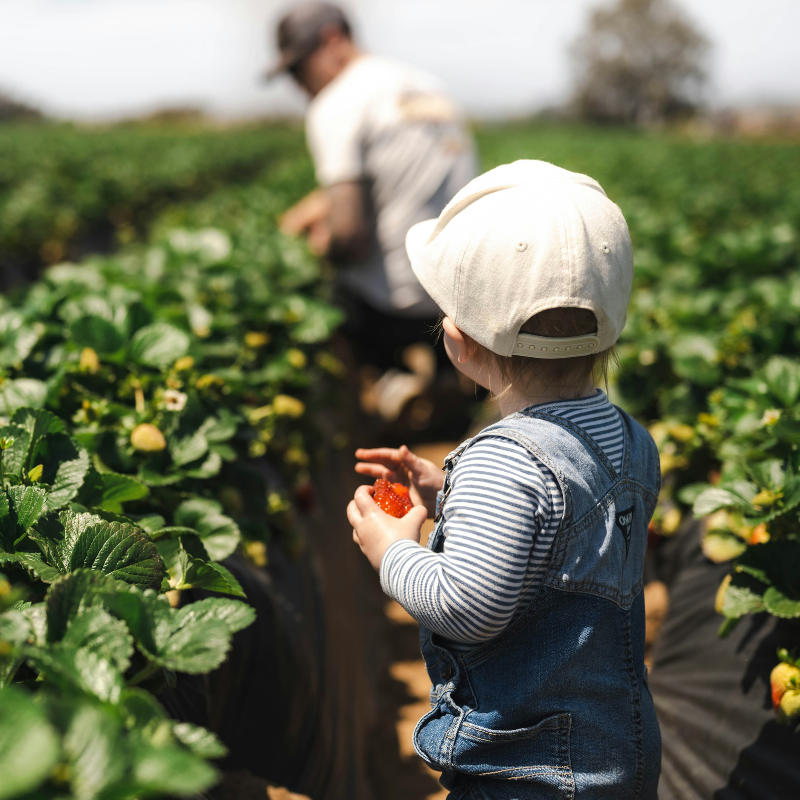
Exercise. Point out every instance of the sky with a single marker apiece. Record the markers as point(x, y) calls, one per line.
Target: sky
point(104, 59)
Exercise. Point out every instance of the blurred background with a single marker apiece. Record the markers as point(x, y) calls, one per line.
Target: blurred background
point(103, 60)
point(145, 168)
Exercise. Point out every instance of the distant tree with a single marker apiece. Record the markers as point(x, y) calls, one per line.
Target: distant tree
point(640, 61)
point(13, 110)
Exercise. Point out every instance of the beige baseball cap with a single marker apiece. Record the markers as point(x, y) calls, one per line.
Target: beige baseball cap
point(520, 239)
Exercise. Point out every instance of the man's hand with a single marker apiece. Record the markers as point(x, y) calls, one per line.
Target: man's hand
point(313, 209)
point(336, 221)
point(423, 478)
point(374, 531)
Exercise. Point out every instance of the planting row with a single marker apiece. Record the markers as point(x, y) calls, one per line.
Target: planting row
point(156, 414)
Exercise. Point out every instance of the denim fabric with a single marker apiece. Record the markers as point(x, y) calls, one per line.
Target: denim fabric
point(557, 705)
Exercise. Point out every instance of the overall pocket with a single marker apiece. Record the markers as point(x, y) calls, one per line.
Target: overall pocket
point(538, 754)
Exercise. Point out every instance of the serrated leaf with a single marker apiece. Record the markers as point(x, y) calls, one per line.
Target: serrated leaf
point(27, 503)
point(95, 750)
point(189, 568)
point(70, 595)
point(95, 630)
point(15, 631)
point(21, 393)
point(209, 468)
point(220, 534)
point(65, 467)
point(780, 604)
point(201, 742)
point(97, 333)
point(170, 771)
point(743, 596)
point(783, 379)
point(29, 745)
point(35, 564)
point(15, 458)
point(119, 550)
point(81, 671)
point(159, 345)
point(232, 613)
point(38, 422)
point(109, 490)
point(186, 449)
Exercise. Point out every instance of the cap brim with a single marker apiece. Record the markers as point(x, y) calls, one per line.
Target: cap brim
point(416, 239)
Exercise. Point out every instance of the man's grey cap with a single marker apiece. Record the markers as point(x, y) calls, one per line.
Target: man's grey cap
point(300, 30)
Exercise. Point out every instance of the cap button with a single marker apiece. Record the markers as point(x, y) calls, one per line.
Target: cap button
point(522, 246)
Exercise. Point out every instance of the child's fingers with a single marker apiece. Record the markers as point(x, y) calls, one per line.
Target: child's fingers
point(386, 456)
point(413, 463)
point(354, 516)
point(364, 502)
point(375, 471)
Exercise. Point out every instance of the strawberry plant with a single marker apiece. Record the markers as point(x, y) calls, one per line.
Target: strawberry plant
point(85, 627)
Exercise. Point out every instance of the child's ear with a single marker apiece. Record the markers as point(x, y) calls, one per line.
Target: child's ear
point(464, 344)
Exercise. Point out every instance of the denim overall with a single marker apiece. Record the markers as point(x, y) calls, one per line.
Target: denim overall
point(558, 705)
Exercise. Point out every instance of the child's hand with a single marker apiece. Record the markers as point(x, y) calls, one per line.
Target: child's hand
point(374, 530)
point(423, 477)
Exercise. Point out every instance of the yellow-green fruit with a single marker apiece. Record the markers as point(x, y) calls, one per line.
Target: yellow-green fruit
point(285, 406)
point(720, 598)
point(256, 339)
point(148, 439)
point(789, 707)
point(90, 362)
point(297, 358)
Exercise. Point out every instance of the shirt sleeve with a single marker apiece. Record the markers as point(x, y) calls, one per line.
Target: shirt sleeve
point(499, 502)
point(334, 134)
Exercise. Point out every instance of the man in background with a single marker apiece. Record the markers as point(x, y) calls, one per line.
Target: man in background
point(390, 150)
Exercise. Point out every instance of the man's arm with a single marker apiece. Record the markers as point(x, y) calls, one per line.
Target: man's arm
point(336, 220)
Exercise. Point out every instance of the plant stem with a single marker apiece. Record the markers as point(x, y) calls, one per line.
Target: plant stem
point(143, 675)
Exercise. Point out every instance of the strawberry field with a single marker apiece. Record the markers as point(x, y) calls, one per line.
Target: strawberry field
point(163, 405)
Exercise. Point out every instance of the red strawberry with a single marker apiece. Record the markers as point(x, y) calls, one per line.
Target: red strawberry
point(392, 498)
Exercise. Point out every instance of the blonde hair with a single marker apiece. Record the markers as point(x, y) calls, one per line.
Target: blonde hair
point(563, 377)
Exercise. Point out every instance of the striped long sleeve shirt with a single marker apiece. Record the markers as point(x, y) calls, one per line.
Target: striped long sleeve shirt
point(500, 519)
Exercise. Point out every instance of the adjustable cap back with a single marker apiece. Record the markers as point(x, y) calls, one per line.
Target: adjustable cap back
point(520, 239)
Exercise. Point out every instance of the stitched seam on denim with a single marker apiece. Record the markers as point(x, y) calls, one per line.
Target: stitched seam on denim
point(582, 435)
point(526, 770)
point(533, 730)
point(637, 706)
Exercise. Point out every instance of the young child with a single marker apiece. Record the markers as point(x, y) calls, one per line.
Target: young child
point(529, 595)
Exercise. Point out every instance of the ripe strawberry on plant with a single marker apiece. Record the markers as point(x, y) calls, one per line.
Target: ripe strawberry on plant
point(784, 678)
point(393, 498)
point(789, 708)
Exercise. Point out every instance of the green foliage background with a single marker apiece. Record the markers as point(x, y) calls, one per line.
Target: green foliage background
point(158, 404)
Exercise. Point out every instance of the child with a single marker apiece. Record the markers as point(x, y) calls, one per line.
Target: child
point(529, 596)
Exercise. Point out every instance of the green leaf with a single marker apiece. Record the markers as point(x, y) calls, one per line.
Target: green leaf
point(743, 596)
point(35, 564)
point(71, 595)
point(170, 771)
point(783, 379)
point(201, 742)
point(95, 630)
point(15, 630)
point(234, 614)
point(220, 534)
point(97, 333)
point(186, 449)
point(209, 468)
point(14, 459)
point(109, 490)
point(21, 393)
point(189, 568)
point(27, 503)
point(781, 605)
point(117, 549)
point(65, 467)
point(95, 750)
point(38, 422)
point(159, 345)
point(29, 745)
point(738, 494)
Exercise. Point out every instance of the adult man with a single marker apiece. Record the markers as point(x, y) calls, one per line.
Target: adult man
point(390, 150)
